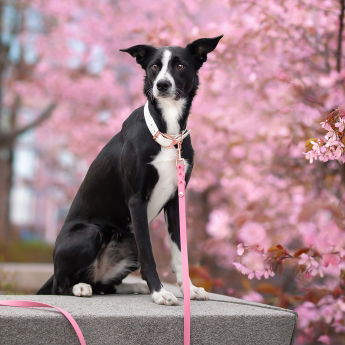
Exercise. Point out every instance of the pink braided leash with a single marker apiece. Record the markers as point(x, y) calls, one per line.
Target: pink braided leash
point(184, 249)
point(67, 315)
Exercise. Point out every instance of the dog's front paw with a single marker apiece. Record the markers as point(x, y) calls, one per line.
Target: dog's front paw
point(198, 293)
point(164, 297)
point(82, 290)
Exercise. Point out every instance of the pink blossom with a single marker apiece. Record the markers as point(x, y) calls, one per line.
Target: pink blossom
point(307, 313)
point(252, 233)
point(330, 260)
point(340, 124)
point(312, 266)
point(240, 249)
point(325, 339)
point(331, 147)
point(253, 264)
point(218, 225)
point(253, 296)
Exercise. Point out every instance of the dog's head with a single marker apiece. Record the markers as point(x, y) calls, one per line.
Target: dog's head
point(171, 72)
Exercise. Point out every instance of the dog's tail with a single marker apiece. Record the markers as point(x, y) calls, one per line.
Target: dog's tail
point(47, 288)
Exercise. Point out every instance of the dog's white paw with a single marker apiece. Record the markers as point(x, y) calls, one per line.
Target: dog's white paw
point(164, 297)
point(82, 290)
point(198, 293)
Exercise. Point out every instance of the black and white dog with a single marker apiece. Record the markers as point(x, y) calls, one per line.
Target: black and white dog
point(106, 233)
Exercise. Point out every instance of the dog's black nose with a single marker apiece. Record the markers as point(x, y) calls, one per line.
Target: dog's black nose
point(163, 85)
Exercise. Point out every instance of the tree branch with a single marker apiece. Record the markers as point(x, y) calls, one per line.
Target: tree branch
point(9, 138)
point(340, 35)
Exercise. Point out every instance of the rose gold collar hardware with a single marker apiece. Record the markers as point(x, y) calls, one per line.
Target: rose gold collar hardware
point(179, 158)
point(156, 135)
point(170, 137)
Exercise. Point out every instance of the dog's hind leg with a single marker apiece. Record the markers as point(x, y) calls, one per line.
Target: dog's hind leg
point(172, 218)
point(76, 249)
point(117, 259)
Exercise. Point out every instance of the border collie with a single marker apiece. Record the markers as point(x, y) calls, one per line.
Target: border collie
point(106, 232)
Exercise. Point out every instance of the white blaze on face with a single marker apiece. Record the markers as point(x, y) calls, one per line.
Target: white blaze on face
point(164, 73)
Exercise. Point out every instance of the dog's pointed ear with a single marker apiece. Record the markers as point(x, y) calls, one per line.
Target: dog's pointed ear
point(201, 47)
point(141, 53)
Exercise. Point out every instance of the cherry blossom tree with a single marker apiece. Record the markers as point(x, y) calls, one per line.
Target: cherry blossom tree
point(256, 206)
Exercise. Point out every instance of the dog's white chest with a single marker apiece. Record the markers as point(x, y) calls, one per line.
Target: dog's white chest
point(165, 163)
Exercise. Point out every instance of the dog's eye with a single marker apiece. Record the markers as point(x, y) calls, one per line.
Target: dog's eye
point(155, 67)
point(180, 67)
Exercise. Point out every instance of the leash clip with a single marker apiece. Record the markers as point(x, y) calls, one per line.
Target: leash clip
point(179, 158)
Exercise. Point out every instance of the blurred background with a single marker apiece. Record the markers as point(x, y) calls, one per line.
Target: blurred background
point(263, 223)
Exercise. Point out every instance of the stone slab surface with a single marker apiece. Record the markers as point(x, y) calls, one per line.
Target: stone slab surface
point(135, 319)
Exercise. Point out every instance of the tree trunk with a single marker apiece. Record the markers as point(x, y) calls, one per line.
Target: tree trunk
point(6, 160)
point(339, 53)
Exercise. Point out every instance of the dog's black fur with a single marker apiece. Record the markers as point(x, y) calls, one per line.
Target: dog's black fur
point(108, 216)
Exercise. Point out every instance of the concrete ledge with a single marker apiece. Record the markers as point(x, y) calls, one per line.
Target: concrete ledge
point(135, 319)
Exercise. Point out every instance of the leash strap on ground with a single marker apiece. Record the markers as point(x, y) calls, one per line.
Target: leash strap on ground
point(184, 248)
point(67, 315)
